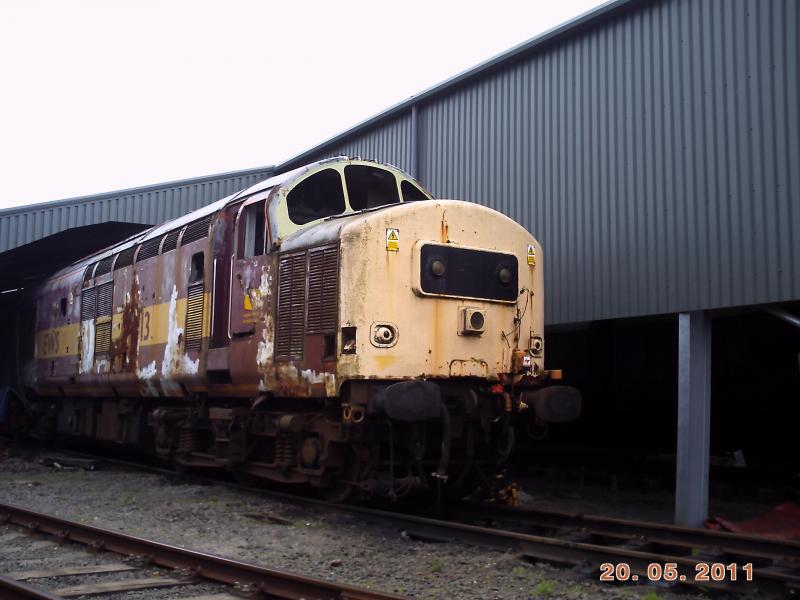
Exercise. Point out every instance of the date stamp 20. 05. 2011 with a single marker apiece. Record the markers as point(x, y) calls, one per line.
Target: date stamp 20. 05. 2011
point(668, 572)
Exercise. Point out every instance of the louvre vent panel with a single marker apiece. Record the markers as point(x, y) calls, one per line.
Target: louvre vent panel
point(193, 332)
point(170, 241)
point(291, 306)
point(196, 231)
point(102, 338)
point(125, 258)
point(87, 304)
point(148, 250)
point(323, 278)
point(104, 266)
point(105, 294)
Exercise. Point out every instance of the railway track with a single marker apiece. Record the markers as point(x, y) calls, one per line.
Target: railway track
point(180, 567)
point(587, 542)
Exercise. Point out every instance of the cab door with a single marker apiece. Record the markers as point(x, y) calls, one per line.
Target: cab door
point(250, 271)
point(250, 304)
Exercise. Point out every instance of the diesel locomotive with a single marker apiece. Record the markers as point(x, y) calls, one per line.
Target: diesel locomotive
point(334, 326)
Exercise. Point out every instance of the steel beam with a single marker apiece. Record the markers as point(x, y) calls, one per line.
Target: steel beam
point(694, 418)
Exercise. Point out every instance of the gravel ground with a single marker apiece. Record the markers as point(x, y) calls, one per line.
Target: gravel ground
point(328, 545)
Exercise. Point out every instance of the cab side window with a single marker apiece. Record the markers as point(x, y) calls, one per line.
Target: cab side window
point(317, 197)
point(251, 234)
point(411, 193)
point(370, 187)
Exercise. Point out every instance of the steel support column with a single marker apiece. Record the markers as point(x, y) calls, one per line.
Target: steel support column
point(694, 417)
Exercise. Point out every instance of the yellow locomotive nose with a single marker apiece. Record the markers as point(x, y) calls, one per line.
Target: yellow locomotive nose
point(448, 284)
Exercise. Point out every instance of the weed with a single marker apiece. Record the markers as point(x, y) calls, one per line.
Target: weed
point(575, 590)
point(544, 588)
point(436, 566)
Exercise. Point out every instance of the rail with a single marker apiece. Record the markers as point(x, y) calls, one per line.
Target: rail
point(252, 578)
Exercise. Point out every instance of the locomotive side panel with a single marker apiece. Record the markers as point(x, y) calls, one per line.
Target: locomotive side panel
point(174, 310)
point(57, 334)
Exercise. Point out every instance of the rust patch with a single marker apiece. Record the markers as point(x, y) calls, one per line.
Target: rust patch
point(124, 351)
point(445, 229)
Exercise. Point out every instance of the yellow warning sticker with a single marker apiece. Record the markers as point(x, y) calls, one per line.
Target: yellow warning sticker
point(531, 255)
point(392, 239)
point(248, 303)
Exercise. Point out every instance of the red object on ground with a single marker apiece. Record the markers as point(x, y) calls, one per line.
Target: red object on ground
point(782, 522)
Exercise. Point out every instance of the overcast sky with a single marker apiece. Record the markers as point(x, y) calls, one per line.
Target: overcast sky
point(103, 95)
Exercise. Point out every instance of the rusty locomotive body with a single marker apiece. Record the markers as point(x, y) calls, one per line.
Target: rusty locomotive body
point(334, 326)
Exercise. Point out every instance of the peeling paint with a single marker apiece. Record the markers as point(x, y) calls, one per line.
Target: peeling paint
point(174, 335)
point(124, 352)
point(87, 346)
point(189, 366)
point(147, 372)
point(265, 288)
point(266, 346)
point(175, 361)
point(312, 377)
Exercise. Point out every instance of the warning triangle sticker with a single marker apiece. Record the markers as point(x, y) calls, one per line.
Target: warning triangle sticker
point(531, 255)
point(392, 239)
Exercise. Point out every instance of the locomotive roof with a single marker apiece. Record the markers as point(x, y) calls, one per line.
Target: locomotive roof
point(210, 209)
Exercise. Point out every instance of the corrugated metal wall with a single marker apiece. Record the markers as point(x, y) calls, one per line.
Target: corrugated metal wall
point(655, 155)
point(151, 205)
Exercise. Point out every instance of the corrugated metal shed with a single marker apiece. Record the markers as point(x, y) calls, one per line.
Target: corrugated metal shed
point(150, 204)
point(652, 147)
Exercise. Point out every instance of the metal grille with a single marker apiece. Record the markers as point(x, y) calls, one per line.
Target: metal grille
point(125, 258)
point(170, 241)
point(104, 266)
point(148, 250)
point(193, 332)
point(291, 305)
point(105, 294)
point(196, 231)
point(88, 298)
point(323, 277)
point(102, 338)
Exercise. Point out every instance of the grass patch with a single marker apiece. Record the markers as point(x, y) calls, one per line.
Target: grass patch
point(519, 571)
point(436, 566)
point(544, 588)
point(651, 595)
point(575, 590)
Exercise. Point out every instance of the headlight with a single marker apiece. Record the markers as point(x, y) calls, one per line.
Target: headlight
point(437, 267)
point(504, 275)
